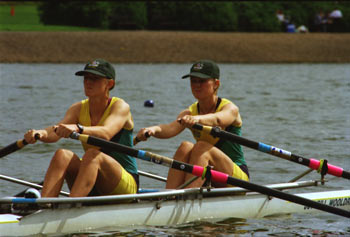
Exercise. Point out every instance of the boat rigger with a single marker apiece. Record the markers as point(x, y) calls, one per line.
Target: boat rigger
point(169, 207)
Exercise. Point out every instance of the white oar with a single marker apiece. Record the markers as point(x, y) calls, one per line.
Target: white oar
point(26, 183)
point(39, 186)
point(152, 176)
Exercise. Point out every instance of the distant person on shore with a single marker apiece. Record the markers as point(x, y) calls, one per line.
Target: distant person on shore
point(302, 29)
point(107, 172)
point(212, 110)
point(336, 20)
point(291, 27)
point(282, 19)
point(320, 22)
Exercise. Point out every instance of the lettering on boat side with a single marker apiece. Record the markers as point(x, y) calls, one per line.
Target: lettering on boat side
point(157, 161)
point(280, 152)
point(334, 202)
point(196, 134)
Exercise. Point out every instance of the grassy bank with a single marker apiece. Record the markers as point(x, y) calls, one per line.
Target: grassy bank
point(25, 17)
point(24, 39)
point(173, 47)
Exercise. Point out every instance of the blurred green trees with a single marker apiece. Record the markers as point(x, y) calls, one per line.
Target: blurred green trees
point(242, 16)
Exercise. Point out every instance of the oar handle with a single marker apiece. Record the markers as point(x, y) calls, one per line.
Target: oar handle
point(137, 140)
point(15, 146)
point(287, 155)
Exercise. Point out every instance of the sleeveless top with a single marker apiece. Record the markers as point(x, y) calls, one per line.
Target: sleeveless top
point(231, 149)
point(124, 136)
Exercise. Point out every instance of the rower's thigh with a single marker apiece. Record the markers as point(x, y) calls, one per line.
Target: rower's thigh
point(73, 164)
point(63, 158)
point(126, 185)
point(183, 151)
point(109, 170)
point(214, 156)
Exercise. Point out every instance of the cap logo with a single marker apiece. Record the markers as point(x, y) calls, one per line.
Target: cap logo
point(94, 64)
point(198, 66)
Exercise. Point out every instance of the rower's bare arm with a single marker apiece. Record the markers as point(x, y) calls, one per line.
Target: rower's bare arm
point(66, 126)
point(227, 116)
point(163, 131)
point(49, 134)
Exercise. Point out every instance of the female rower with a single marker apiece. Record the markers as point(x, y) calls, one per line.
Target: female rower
point(101, 116)
point(211, 110)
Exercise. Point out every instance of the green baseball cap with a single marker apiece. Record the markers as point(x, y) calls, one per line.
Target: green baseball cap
point(98, 67)
point(205, 69)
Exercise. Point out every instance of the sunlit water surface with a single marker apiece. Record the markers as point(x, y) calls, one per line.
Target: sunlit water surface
point(302, 108)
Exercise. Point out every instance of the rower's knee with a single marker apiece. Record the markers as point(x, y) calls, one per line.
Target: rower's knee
point(183, 151)
point(200, 151)
point(91, 155)
point(201, 147)
point(62, 157)
point(186, 146)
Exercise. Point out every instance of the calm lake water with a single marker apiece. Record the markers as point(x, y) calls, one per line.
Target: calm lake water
point(302, 108)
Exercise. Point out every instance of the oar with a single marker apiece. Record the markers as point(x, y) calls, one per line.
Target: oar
point(152, 176)
point(26, 183)
point(15, 146)
point(39, 186)
point(202, 172)
point(311, 163)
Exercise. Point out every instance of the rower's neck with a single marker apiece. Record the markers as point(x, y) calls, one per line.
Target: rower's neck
point(98, 105)
point(209, 105)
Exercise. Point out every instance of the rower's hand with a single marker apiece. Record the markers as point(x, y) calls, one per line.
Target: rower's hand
point(143, 135)
point(188, 121)
point(65, 130)
point(31, 136)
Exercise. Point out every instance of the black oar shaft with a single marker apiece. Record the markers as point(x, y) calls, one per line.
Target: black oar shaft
point(311, 163)
point(200, 171)
point(14, 146)
point(288, 197)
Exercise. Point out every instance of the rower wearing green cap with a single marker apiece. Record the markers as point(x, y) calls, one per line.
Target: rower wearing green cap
point(98, 171)
point(211, 110)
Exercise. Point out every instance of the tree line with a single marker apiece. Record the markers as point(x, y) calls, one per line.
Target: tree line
point(223, 16)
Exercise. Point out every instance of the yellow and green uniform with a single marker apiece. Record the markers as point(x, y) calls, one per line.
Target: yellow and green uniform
point(232, 150)
point(124, 136)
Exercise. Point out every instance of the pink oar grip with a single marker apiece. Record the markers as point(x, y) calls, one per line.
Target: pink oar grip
point(314, 164)
point(215, 175)
point(333, 170)
point(219, 177)
point(197, 170)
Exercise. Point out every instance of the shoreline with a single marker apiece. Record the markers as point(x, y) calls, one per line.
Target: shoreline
point(173, 47)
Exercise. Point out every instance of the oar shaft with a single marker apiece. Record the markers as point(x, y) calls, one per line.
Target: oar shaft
point(18, 181)
point(152, 176)
point(12, 147)
point(15, 146)
point(288, 197)
point(26, 183)
point(200, 172)
point(287, 155)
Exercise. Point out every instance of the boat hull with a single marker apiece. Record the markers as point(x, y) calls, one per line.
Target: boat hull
point(183, 209)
